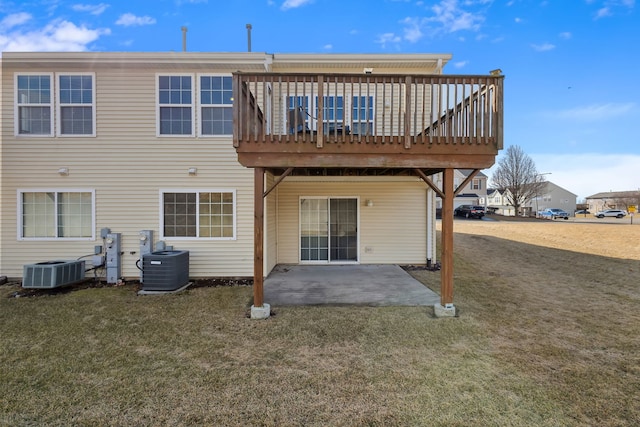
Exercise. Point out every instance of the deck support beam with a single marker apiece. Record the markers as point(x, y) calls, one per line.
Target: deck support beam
point(446, 277)
point(259, 310)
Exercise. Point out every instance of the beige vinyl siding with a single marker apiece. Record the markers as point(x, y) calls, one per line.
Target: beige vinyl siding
point(127, 166)
point(5, 120)
point(393, 230)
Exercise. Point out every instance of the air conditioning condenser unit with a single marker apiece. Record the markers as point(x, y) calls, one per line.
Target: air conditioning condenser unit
point(165, 270)
point(52, 274)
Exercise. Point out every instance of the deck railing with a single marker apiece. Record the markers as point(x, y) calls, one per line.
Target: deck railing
point(360, 108)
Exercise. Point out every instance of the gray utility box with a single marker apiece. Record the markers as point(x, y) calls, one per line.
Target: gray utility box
point(52, 274)
point(165, 270)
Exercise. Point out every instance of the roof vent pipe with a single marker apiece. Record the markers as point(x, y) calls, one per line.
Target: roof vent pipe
point(248, 37)
point(184, 39)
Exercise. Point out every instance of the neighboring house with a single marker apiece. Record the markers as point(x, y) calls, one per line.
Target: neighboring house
point(551, 196)
point(498, 202)
point(613, 200)
point(181, 144)
point(473, 193)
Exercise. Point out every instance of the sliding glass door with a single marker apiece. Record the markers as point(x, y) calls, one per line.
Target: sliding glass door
point(329, 229)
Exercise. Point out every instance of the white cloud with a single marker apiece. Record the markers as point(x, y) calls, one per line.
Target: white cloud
point(447, 16)
point(94, 9)
point(14, 20)
point(388, 38)
point(610, 5)
point(590, 173)
point(453, 18)
point(603, 12)
point(594, 112)
point(130, 20)
point(412, 31)
point(543, 47)
point(292, 4)
point(565, 35)
point(58, 35)
point(460, 64)
point(327, 47)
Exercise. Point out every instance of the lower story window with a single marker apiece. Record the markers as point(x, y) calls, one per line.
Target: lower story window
point(56, 214)
point(199, 214)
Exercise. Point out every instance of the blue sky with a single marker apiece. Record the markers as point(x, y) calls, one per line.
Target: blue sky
point(572, 91)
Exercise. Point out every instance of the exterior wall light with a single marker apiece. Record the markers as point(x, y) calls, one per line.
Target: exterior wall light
point(193, 171)
point(63, 171)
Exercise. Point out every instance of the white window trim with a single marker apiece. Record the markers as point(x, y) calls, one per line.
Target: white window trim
point(59, 106)
point(328, 199)
point(285, 112)
point(200, 106)
point(372, 119)
point(199, 190)
point(194, 87)
point(20, 191)
point(16, 114)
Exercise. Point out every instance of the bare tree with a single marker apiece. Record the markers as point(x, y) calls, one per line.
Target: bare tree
point(517, 173)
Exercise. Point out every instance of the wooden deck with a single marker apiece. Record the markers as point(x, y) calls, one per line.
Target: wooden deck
point(332, 123)
point(367, 121)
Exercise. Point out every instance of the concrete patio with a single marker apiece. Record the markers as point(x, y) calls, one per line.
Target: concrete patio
point(373, 285)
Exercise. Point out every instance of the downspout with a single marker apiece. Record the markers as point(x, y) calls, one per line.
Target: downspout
point(431, 229)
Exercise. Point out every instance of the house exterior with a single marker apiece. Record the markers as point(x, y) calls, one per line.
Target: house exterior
point(498, 202)
point(96, 127)
point(612, 200)
point(552, 196)
point(246, 160)
point(474, 192)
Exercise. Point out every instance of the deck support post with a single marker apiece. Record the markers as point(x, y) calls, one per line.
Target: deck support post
point(259, 310)
point(446, 308)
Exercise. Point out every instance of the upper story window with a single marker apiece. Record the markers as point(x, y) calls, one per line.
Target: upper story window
point(298, 118)
point(355, 113)
point(34, 103)
point(362, 115)
point(175, 105)
point(476, 184)
point(76, 108)
point(56, 214)
point(332, 112)
point(216, 99)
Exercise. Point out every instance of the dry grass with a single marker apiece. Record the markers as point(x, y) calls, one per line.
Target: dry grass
point(546, 336)
point(560, 302)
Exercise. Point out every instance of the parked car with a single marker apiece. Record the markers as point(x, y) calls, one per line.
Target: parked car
point(618, 213)
point(553, 213)
point(469, 211)
point(583, 212)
